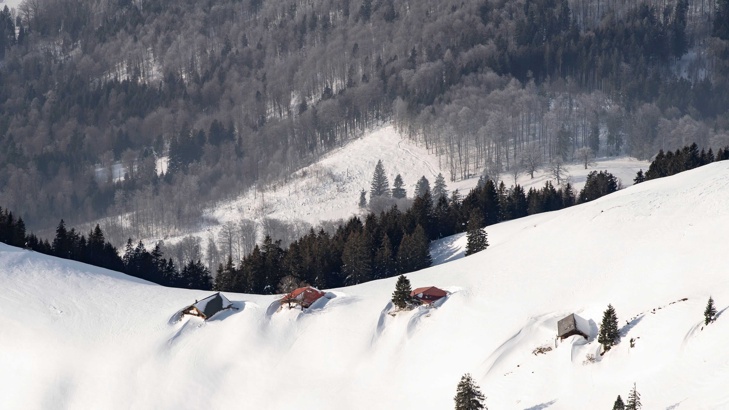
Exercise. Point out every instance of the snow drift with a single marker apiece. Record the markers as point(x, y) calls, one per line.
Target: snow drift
point(79, 337)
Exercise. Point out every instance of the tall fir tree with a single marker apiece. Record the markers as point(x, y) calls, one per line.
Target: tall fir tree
point(414, 252)
point(398, 192)
point(609, 334)
point(422, 187)
point(356, 259)
point(440, 189)
point(633, 400)
point(380, 185)
point(384, 266)
point(468, 395)
point(476, 237)
point(619, 405)
point(709, 312)
point(401, 296)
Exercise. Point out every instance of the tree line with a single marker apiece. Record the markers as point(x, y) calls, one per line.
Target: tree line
point(689, 157)
point(94, 249)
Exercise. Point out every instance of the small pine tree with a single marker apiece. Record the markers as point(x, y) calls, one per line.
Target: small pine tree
point(468, 395)
point(398, 192)
point(639, 177)
point(619, 405)
point(363, 199)
point(710, 312)
point(633, 400)
point(609, 334)
point(401, 296)
point(477, 239)
point(380, 186)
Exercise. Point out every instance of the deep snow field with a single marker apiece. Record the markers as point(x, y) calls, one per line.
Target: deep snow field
point(79, 337)
point(330, 189)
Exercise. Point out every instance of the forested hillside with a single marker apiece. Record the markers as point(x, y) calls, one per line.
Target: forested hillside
point(236, 92)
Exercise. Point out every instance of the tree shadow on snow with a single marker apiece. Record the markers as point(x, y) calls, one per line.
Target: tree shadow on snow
point(542, 406)
point(719, 313)
point(626, 329)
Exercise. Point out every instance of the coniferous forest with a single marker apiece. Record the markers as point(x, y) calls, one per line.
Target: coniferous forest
point(240, 92)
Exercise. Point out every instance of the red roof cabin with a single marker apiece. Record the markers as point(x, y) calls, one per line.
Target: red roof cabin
point(304, 296)
point(428, 295)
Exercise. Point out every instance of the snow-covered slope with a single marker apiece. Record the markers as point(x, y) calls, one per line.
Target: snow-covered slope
point(330, 189)
point(78, 337)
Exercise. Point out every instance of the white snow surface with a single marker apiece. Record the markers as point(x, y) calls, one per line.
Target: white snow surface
point(79, 337)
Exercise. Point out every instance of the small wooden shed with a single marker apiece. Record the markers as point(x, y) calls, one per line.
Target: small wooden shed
point(573, 325)
point(304, 296)
point(209, 306)
point(428, 294)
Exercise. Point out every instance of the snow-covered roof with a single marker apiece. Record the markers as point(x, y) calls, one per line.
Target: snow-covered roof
point(212, 304)
point(573, 324)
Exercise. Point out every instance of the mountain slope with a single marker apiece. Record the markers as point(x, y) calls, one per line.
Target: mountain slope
point(81, 337)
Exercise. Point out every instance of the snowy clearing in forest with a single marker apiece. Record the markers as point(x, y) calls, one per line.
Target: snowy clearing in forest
point(330, 189)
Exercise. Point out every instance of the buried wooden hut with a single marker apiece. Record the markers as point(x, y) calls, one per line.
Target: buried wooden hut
point(209, 306)
point(304, 296)
point(573, 325)
point(428, 294)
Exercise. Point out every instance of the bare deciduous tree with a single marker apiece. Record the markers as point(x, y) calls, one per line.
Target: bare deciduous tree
point(532, 159)
point(586, 156)
point(557, 170)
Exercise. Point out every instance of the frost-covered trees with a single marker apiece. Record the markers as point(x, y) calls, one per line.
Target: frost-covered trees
point(398, 192)
point(380, 185)
point(468, 395)
point(401, 296)
point(439, 188)
point(477, 240)
point(633, 400)
point(609, 334)
point(422, 186)
point(709, 312)
point(619, 405)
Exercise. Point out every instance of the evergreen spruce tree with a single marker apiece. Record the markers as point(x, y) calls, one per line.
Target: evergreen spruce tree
point(356, 259)
point(609, 334)
point(439, 188)
point(619, 405)
point(710, 312)
point(398, 192)
point(384, 260)
point(639, 177)
point(477, 240)
point(380, 186)
point(422, 187)
point(363, 199)
point(633, 400)
point(414, 252)
point(401, 296)
point(468, 395)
